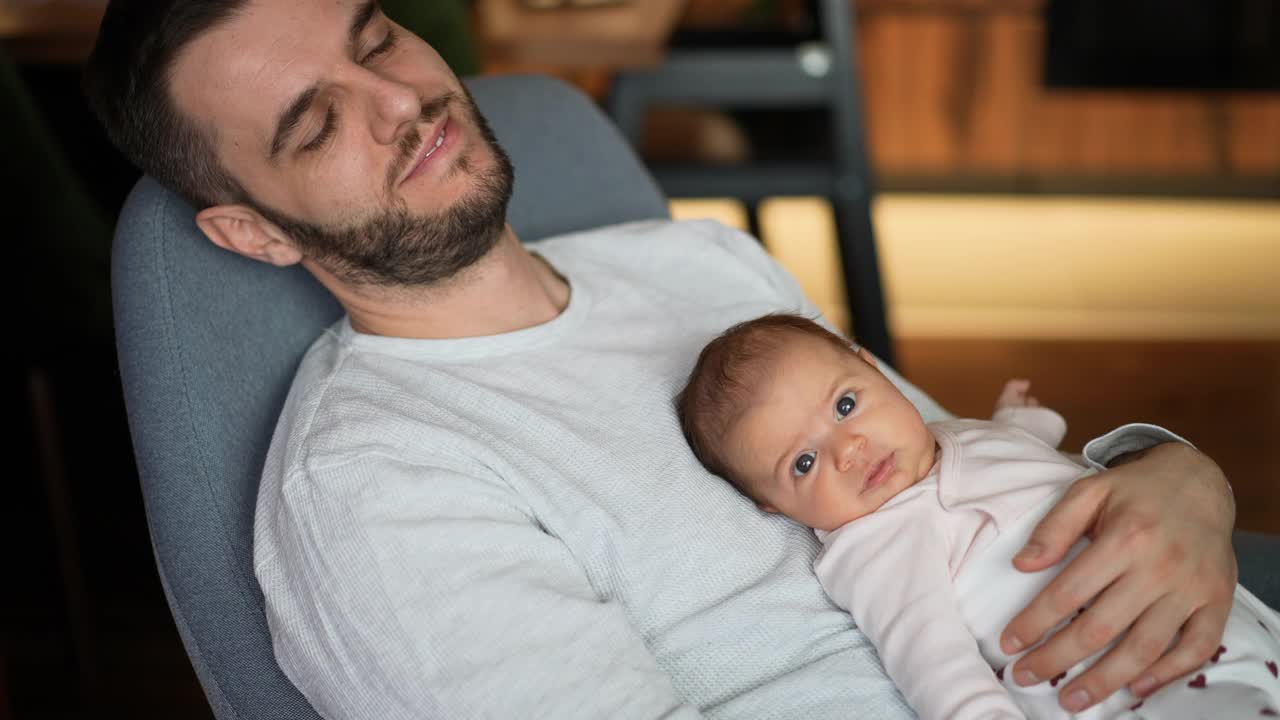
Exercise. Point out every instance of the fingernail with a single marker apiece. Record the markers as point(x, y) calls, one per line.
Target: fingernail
point(1025, 677)
point(1076, 700)
point(1144, 685)
point(1013, 644)
point(1031, 551)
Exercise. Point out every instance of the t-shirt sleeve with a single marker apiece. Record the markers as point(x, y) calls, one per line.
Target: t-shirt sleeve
point(1100, 452)
point(403, 591)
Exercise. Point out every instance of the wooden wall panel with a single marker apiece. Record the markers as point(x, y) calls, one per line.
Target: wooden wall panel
point(995, 137)
point(1253, 144)
point(955, 88)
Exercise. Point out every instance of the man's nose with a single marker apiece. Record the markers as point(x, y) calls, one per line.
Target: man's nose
point(849, 448)
point(394, 108)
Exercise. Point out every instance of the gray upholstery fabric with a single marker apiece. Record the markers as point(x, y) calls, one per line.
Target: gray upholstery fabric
point(208, 343)
point(1259, 557)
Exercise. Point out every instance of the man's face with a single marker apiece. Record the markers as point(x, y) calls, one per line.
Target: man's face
point(829, 439)
point(351, 135)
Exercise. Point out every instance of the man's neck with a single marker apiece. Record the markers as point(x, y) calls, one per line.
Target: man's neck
point(508, 289)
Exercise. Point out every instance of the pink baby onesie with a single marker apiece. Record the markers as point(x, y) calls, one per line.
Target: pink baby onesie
point(928, 577)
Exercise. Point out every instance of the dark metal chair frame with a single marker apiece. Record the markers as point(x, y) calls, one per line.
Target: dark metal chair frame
point(776, 77)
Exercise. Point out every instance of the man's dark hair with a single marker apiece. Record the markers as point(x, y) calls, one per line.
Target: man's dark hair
point(127, 81)
point(727, 378)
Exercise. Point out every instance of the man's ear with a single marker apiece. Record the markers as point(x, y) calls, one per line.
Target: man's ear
point(240, 229)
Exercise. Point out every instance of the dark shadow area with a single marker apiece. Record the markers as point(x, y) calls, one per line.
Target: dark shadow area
point(1163, 44)
point(85, 621)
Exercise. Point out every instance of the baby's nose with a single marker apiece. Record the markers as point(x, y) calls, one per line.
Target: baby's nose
point(850, 449)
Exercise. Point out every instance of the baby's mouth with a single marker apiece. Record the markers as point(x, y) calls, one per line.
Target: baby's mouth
point(879, 473)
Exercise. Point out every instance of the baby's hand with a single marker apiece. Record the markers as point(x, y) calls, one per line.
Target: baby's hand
point(1015, 395)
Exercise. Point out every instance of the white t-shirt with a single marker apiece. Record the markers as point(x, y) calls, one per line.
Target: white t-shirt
point(514, 526)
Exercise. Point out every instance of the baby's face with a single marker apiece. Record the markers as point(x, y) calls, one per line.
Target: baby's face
point(830, 438)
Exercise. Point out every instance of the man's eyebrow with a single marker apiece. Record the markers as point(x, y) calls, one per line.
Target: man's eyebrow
point(289, 120)
point(360, 20)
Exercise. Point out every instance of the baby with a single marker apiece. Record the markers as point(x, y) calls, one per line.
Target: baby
point(919, 523)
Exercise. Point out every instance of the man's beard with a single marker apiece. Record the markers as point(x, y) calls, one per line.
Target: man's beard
point(396, 248)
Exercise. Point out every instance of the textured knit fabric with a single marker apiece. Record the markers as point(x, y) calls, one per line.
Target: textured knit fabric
point(513, 525)
point(929, 578)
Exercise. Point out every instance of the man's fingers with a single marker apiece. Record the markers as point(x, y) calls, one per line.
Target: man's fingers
point(1199, 642)
point(1065, 523)
point(1133, 656)
point(1089, 631)
point(1064, 596)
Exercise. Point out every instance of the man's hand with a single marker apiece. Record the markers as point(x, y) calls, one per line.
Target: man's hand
point(1159, 561)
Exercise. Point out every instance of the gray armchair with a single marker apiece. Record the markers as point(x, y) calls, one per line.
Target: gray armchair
point(208, 343)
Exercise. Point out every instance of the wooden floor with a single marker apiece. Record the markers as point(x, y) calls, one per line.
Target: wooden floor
point(1222, 396)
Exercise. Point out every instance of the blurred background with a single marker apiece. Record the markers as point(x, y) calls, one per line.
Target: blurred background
point(1085, 193)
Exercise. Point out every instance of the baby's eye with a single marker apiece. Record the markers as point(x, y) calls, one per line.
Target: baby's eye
point(804, 463)
point(845, 405)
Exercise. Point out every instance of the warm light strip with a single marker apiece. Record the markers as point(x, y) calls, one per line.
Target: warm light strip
point(1050, 323)
point(1019, 266)
point(1080, 267)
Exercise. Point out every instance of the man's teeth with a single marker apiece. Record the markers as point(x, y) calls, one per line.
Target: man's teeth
point(439, 142)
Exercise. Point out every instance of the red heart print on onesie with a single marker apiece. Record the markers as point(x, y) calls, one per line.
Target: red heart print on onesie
point(1271, 665)
point(1198, 682)
point(1221, 649)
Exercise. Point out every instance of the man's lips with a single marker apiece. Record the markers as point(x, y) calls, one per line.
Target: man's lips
point(428, 150)
point(880, 472)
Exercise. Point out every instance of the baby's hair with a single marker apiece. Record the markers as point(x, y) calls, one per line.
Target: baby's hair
point(727, 377)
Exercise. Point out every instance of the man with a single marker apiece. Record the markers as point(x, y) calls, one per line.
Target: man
point(478, 501)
